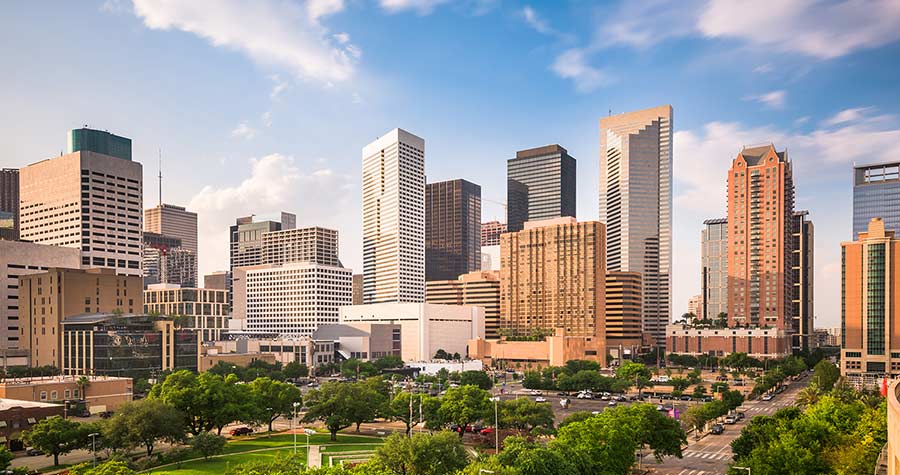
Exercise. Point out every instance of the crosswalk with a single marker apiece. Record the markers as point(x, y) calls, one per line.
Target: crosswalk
point(688, 471)
point(707, 455)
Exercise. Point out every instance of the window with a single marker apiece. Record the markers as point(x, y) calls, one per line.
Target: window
point(43, 395)
point(54, 395)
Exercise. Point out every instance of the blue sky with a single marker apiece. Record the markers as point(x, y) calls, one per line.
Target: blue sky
point(265, 105)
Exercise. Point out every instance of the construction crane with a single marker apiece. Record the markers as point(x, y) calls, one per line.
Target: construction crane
point(499, 203)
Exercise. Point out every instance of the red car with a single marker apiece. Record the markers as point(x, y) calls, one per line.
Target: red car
point(487, 431)
point(241, 431)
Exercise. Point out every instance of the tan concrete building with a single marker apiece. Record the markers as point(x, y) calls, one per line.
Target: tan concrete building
point(208, 360)
point(760, 238)
point(88, 201)
point(206, 309)
point(693, 305)
point(46, 299)
point(480, 288)
point(357, 289)
point(553, 275)
point(313, 244)
point(174, 221)
point(553, 350)
point(760, 343)
point(102, 393)
point(24, 258)
point(870, 313)
point(623, 309)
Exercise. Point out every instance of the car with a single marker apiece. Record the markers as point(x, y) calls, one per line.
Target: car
point(768, 397)
point(536, 392)
point(33, 451)
point(106, 414)
point(604, 398)
point(487, 431)
point(613, 403)
point(659, 407)
point(562, 394)
point(685, 398)
point(741, 415)
point(584, 396)
point(540, 399)
point(717, 429)
point(730, 419)
point(595, 412)
point(238, 431)
point(620, 398)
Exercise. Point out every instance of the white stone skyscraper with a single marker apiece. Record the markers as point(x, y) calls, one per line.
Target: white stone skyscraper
point(393, 195)
point(636, 205)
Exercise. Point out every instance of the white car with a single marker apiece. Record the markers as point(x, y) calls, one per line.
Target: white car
point(604, 397)
point(584, 396)
point(613, 403)
point(767, 397)
point(536, 392)
point(540, 399)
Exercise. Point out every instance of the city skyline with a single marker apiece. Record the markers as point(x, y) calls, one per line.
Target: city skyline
point(235, 164)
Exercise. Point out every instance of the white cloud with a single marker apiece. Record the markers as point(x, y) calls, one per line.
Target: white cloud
point(422, 7)
point(243, 131)
point(763, 68)
point(849, 115)
point(279, 87)
point(267, 118)
point(801, 120)
point(271, 32)
point(275, 183)
point(535, 21)
point(572, 64)
point(772, 100)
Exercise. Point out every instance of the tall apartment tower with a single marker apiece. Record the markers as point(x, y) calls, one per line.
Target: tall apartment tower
point(876, 194)
point(760, 239)
point(393, 202)
point(540, 185)
point(87, 200)
point(636, 205)
point(452, 229)
point(9, 204)
point(175, 221)
point(714, 269)
point(553, 275)
point(803, 271)
point(870, 316)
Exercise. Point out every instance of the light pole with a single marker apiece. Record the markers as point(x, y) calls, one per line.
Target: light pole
point(93, 437)
point(293, 424)
point(308, 432)
point(496, 400)
point(743, 468)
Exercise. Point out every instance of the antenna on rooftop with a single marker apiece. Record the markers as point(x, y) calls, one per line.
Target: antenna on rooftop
point(160, 176)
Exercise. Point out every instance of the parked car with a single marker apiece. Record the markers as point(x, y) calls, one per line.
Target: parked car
point(768, 397)
point(620, 398)
point(585, 396)
point(741, 415)
point(604, 397)
point(238, 431)
point(540, 399)
point(685, 398)
point(613, 403)
point(730, 419)
point(487, 431)
point(33, 451)
point(717, 429)
point(659, 407)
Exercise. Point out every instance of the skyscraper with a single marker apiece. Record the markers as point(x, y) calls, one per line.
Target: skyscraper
point(174, 221)
point(876, 194)
point(89, 201)
point(540, 185)
point(393, 201)
point(246, 247)
point(452, 229)
point(9, 204)
point(714, 269)
point(623, 308)
point(313, 244)
point(870, 327)
point(803, 270)
point(636, 205)
point(760, 241)
point(553, 275)
point(99, 141)
point(490, 233)
point(479, 288)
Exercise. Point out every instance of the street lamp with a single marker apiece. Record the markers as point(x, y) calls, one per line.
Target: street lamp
point(293, 422)
point(308, 432)
point(743, 468)
point(93, 437)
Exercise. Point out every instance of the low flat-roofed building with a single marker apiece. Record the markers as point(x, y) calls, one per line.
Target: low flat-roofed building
point(760, 343)
point(553, 350)
point(18, 416)
point(101, 393)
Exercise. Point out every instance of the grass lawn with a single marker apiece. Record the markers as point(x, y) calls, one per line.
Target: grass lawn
point(219, 464)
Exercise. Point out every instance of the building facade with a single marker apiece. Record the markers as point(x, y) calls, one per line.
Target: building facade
point(9, 204)
point(714, 269)
point(870, 327)
point(540, 185)
point(876, 194)
point(174, 221)
point(623, 308)
point(803, 270)
point(357, 289)
point(218, 280)
point(393, 202)
point(452, 229)
point(553, 275)
point(48, 298)
point(292, 298)
point(246, 241)
point(314, 244)
point(693, 305)
point(554, 350)
point(101, 394)
point(203, 310)
point(88, 201)
point(760, 239)
point(760, 343)
point(490, 233)
point(18, 259)
point(99, 141)
point(480, 288)
point(636, 205)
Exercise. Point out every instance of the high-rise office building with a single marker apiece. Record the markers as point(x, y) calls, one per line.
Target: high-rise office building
point(623, 309)
point(393, 201)
point(9, 204)
point(714, 269)
point(166, 261)
point(553, 275)
point(803, 270)
point(480, 289)
point(206, 310)
point(174, 221)
point(540, 185)
point(218, 280)
point(636, 205)
point(870, 327)
point(760, 240)
point(876, 194)
point(89, 201)
point(490, 233)
point(357, 289)
point(452, 229)
point(99, 141)
point(313, 244)
point(246, 242)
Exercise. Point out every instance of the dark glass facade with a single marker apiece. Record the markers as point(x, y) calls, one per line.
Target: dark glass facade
point(9, 204)
point(875, 301)
point(452, 229)
point(876, 194)
point(99, 141)
point(540, 185)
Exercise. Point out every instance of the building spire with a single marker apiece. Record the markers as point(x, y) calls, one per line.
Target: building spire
point(160, 176)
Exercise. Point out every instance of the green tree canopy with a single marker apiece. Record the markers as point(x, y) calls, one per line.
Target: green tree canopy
point(56, 436)
point(144, 423)
point(825, 374)
point(333, 404)
point(476, 378)
point(422, 454)
point(272, 399)
point(464, 405)
point(207, 444)
point(525, 415)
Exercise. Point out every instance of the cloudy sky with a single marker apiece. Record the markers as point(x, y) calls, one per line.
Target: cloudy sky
point(264, 105)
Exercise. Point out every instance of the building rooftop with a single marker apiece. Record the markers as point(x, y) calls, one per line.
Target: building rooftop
point(540, 151)
point(716, 221)
point(753, 154)
point(333, 332)
point(38, 380)
point(7, 404)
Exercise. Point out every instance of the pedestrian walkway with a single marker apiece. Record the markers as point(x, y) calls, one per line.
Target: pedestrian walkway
point(695, 472)
point(315, 456)
point(707, 455)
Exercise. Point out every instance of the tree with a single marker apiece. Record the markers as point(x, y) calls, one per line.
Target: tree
point(635, 374)
point(272, 399)
point(699, 391)
point(476, 378)
point(809, 395)
point(532, 380)
point(198, 403)
point(294, 370)
point(208, 444)
point(577, 416)
point(56, 436)
point(368, 400)
point(422, 454)
point(5, 457)
point(440, 354)
point(144, 423)
point(530, 458)
point(825, 374)
point(411, 408)
point(525, 415)
point(354, 368)
point(679, 384)
point(739, 361)
point(390, 361)
point(110, 467)
point(464, 405)
point(333, 404)
point(575, 366)
point(83, 382)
